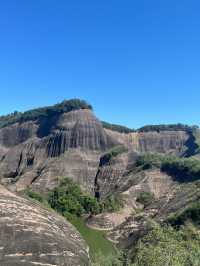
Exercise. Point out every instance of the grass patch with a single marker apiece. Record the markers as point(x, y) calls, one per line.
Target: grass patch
point(95, 239)
point(72, 203)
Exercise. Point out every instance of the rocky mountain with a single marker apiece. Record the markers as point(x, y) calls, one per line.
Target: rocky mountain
point(36, 150)
point(67, 140)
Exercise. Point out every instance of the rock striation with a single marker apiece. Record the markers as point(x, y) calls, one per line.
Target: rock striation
point(31, 235)
point(36, 153)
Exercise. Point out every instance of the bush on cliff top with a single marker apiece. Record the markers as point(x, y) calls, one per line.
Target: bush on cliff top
point(172, 127)
point(65, 106)
point(118, 128)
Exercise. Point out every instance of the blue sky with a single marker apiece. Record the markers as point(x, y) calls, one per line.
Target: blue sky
point(136, 61)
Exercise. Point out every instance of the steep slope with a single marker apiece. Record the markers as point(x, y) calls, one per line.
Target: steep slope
point(38, 152)
point(173, 184)
point(39, 146)
point(31, 235)
point(163, 142)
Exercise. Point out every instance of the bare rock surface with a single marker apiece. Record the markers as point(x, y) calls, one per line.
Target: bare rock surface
point(36, 153)
point(163, 142)
point(31, 235)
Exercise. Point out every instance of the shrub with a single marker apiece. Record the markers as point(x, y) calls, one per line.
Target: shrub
point(68, 198)
point(118, 128)
point(149, 160)
point(182, 169)
point(114, 152)
point(172, 127)
point(189, 214)
point(36, 196)
point(112, 203)
point(145, 198)
point(164, 246)
point(112, 260)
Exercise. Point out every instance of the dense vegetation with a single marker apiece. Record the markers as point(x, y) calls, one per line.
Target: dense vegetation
point(118, 128)
point(112, 203)
point(150, 128)
point(111, 260)
point(68, 199)
point(172, 127)
point(189, 214)
point(182, 169)
point(71, 202)
point(164, 246)
point(65, 106)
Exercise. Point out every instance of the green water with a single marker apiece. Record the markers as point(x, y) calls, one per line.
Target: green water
point(95, 239)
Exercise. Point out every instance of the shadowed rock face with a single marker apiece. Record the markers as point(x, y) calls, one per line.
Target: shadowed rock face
point(31, 235)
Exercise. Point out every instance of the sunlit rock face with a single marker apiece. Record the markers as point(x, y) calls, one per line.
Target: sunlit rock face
point(174, 142)
point(37, 153)
point(78, 129)
point(31, 235)
point(163, 142)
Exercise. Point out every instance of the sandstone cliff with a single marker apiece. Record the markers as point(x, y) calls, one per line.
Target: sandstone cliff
point(36, 152)
point(31, 235)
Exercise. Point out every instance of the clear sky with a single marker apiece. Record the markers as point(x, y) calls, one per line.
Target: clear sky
point(136, 61)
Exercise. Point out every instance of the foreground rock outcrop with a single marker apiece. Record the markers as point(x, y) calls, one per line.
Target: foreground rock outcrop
point(31, 235)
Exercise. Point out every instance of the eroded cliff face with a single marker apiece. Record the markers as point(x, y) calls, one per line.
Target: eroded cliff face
point(171, 197)
point(174, 142)
point(120, 176)
point(37, 153)
point(31, 235)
